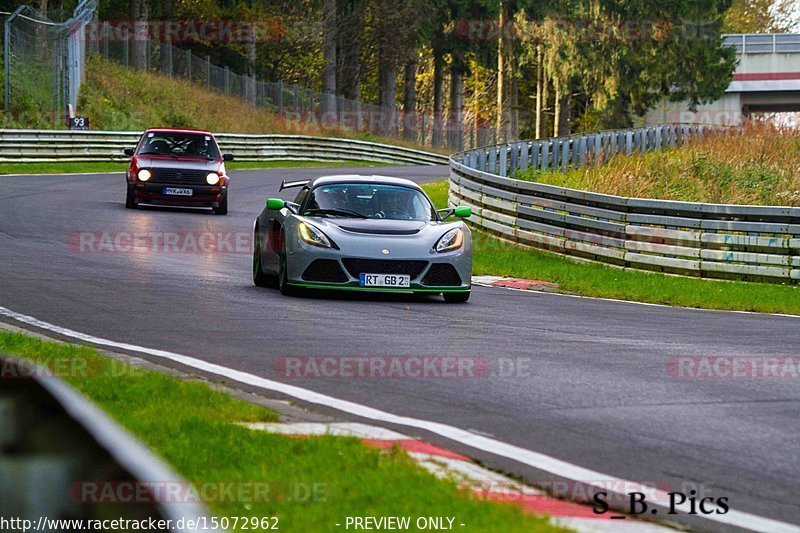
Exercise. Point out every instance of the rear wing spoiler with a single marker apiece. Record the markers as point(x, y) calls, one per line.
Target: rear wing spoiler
point(287, 185)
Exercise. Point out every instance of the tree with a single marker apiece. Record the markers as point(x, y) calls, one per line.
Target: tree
point(139, 16)
point(616, 69)
point(758, 16)
point(395, 29)
point(329, 52)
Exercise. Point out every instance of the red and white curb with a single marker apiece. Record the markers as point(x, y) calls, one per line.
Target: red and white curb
point(484, 483)
point(514, 283)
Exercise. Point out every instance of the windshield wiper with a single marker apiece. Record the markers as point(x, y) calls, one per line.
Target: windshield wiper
point(340, 212)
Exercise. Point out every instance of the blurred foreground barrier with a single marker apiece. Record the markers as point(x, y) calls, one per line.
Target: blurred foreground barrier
point(61, 458)
point(696, 239)
point(53, 145)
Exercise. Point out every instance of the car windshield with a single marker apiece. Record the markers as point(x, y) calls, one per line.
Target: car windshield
point(359, 200)
point(179, 145)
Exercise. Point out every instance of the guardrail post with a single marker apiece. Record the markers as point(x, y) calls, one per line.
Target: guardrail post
point(513, 162)
point(503, 170)
point(545, 165)
point(536, 146)
point(600, 143)
point(523, 160)
point(556, 155)
point(492, 155)
point(628, 142)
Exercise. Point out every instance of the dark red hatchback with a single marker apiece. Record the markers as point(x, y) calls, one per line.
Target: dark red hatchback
point(178, 167)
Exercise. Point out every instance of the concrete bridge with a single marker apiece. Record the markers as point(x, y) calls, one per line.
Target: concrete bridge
point(767, 80)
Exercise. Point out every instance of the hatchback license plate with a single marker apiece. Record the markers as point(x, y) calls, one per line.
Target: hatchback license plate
point(385, 280)
point(172, 191)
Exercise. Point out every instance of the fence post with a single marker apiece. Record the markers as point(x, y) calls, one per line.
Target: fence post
point(7, 56)
point(125, 48)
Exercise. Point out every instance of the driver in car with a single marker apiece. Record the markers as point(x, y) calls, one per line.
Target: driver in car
point(393, 204)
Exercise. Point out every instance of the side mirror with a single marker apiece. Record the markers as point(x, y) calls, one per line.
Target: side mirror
point(129, 151)
point(227, 157)
point(463, 211)
point(275, 204)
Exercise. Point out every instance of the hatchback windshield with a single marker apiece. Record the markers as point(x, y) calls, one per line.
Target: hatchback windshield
point(179, 144)
point(360, 200)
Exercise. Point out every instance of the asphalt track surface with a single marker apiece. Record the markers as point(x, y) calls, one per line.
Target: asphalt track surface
point(595, 389)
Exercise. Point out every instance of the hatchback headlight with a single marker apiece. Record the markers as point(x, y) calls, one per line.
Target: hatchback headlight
point(144, 175)
point(314, 236)
point(452, 240)
point(212, 178)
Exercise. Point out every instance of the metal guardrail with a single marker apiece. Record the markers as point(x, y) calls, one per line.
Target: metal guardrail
point(697, 239)
point(55, 145)
point(63, 458)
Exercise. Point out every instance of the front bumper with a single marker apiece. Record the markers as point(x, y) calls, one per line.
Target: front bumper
point(202, 194)
point(354, 286)
point(301, 255)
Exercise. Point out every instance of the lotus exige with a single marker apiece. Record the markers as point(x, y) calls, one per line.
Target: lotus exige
point(370, 233)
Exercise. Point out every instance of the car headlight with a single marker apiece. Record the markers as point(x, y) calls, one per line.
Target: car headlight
point(452, 240)
point(212, 178)
point(143, 175)
point(314, 236)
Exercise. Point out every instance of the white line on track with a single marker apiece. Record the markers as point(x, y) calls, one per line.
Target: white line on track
point(521, 455)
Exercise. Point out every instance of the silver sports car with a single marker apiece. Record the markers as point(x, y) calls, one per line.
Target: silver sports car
point(371, 233)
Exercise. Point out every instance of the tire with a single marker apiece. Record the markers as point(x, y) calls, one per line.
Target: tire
point(223, 206)
point(283, 282)
point(456, 297)
point(259, 278)
point(130, 200)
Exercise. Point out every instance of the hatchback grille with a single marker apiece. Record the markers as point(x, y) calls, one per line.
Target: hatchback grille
point(178, 176)
point(380, 266)
point(442, 275)
point(325, 270)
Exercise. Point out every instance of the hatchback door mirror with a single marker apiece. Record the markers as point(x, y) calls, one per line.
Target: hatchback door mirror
point(128, 151)
point(227, 157)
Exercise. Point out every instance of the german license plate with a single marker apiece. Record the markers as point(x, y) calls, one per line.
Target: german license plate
point(385, 280)
point(173, 191)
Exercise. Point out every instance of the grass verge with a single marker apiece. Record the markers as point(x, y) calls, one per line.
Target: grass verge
point(110, 166)
point(314, 483)
point(493, 256)
point(757, 166)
